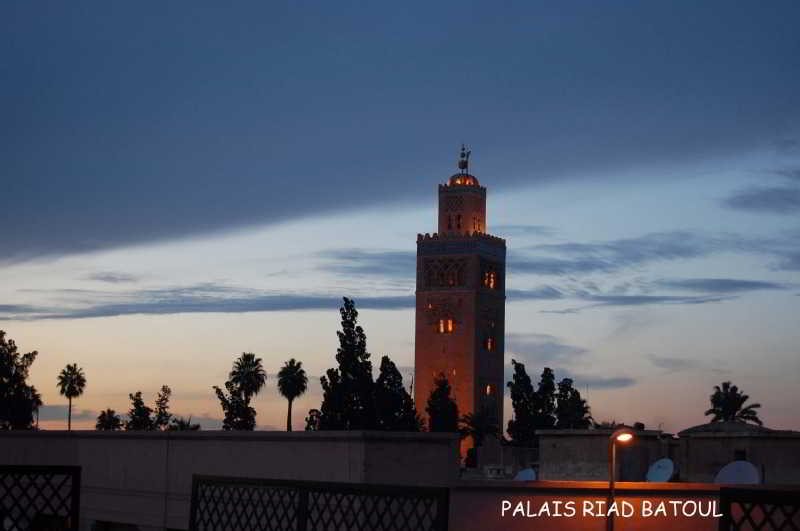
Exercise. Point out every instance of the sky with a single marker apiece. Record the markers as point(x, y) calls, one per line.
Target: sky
point(185, 182)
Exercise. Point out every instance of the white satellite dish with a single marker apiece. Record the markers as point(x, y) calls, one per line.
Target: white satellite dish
point(738, 473)
point(526, 474)
point(661, 471)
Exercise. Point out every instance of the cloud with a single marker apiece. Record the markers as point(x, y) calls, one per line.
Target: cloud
point(600, 301)
point(596, 381)
point(508, 231)
point(613, 255)
point(287, 149)
point(203, 298)
point(541, 348)
point(580, 380)
point(766, 199)
point(790, 173)
point(360, 262)
point(671, 364)
point(112, 277)
point(59, 412)
point(675, 364)
point(718, 285)
point(540, 293)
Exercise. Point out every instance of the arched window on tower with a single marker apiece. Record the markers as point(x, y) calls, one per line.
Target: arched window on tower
point(449, 222)
point(458, 221)
point(490, 279)
point(445, 326)
point(490, 344)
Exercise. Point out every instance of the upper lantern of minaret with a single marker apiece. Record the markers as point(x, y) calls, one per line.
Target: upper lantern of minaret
point(462, 201)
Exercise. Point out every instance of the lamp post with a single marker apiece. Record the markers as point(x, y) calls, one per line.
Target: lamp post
point(623, 436)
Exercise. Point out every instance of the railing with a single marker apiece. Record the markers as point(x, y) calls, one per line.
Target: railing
point(757, 509)
point(40, 497)
point(243, 504)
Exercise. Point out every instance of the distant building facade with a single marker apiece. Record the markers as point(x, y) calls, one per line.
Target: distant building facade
point(460, 300)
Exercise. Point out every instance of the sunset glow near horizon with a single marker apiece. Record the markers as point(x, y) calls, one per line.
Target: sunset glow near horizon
point(184, 188)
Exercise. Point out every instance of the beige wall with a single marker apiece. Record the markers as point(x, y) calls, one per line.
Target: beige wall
point(777, 456)
point(582, 455)
point(145, 478)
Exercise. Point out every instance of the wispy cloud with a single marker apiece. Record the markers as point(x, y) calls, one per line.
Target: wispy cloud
point(112, 277)
point(718, 285)
point(766, 199)
point(608, 256)
point(509, 231)
point(360, 262)
point(672, 364)
point(541, 348)
point(200, 298)
point(59, 412)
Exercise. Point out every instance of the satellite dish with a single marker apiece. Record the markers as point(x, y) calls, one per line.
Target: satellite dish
point(661, 471)
point(526, 474)
point(738, 473)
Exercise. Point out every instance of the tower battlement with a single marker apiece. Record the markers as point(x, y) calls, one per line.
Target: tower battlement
point(460, 236)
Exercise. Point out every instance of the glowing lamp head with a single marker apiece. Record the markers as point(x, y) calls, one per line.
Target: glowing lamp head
point(622, 435)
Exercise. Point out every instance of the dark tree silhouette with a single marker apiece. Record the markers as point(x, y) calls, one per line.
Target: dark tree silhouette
point(348, 401)
point(71, 384)
point(248, 375)
point(607, 425)
point(394, 406)
point(245, 380)
point(292, 382)
point(18, 400)
point(108, 420)
point(161, 412)
point(521, 427)
point(544, 408)
point(442, 409)
point(238, 413)
point(572, 411)
point(728, 404)
point(544, 403)
point(312, 420)
point(182, 424)
point(139, 416)
point(479, 425)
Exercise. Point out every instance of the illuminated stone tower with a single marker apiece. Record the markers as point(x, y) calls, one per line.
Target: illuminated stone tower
point(461, 300)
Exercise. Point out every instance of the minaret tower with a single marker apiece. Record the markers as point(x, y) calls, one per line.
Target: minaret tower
point(460, 317)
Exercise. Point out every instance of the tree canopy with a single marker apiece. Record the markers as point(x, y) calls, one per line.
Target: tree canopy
point(245, 380)
point(728, 404)
point(442, 409)
point(139, 416)
point(549, 406)
point(19, 402)
point(351, 399)
point(108, 420)
point(292, 382)
point(71, 384)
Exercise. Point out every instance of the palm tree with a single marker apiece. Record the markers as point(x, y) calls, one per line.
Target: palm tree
point(479, 425)
point(108, 420)
point(728, 404)
point(71, 383)
point(182, 424)
point(248, 375)
point(292, 382)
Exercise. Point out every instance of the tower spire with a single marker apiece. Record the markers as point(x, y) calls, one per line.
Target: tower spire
point(463, 161)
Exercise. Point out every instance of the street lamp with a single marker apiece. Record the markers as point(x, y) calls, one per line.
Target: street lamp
point(622, 436)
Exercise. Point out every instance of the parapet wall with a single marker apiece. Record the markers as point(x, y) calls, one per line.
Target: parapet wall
point(144, 478)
